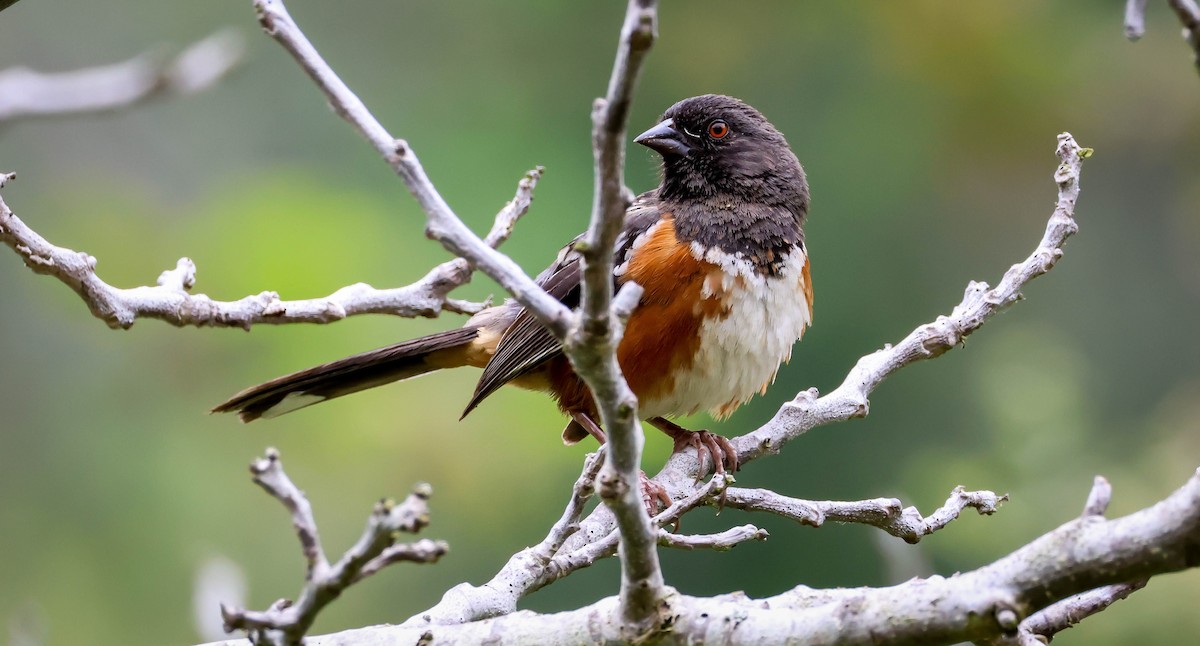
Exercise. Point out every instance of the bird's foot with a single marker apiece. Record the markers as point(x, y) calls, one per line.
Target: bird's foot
point(720, 451)
point(653, 494)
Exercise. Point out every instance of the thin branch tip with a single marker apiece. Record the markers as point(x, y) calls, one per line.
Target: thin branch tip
point(1098, 498)
point(1135, 19)
point(720, 542)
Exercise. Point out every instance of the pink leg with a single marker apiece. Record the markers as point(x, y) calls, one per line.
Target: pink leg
point(593, 429)
point(719, 450)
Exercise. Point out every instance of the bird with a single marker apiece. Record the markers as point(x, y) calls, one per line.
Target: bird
point(718, 248)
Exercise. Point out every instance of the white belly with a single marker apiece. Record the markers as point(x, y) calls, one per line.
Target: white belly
point(740, 353)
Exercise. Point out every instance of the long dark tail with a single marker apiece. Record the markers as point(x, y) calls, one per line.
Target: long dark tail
point(350, 375)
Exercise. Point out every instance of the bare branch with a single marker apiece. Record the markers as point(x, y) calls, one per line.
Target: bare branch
point(713, 490)
point(267, 472)
point(722, 541)
point(171, 301)
point(1098, 499)
point(525, 572)
point(1135, 19)
point(1072, 610)
point(441, 223)
point(286, 622)
point(536, 567)
point(423, 551)
point(592, 345)
point(25, 93)
point(515, 209)
point(568, 524)
point(888, 514)
point(1186, 10)
point(593, 342)
point(589, 553)
point(984, 604)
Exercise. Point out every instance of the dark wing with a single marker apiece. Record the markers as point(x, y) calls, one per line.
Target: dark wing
point(526, 344)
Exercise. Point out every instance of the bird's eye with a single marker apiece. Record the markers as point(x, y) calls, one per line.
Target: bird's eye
point(718, 129)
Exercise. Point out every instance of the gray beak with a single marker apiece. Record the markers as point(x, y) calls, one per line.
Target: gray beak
point(665, 139)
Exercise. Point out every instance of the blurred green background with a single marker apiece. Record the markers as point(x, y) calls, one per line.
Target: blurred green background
point(927, 130)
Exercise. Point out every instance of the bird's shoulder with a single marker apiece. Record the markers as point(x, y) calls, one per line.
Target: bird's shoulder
point(524, 344)
point(642, 214)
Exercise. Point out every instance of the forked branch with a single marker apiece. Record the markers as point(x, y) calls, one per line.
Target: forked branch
point(888, 514)
point(286, 622)
point(441, 223)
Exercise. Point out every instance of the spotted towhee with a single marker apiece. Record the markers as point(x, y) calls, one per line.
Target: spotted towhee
point(719, 249)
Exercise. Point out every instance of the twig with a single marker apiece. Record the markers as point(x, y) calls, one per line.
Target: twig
point(590, 552)
point(722, 541)
point(1135, 19)
point(1072, 610)
point(267, 472)
point(171, 301)
point(422, 551)
point(515, 209)
point(536, 567)
point(526, 571)
point(568, 524)
point(25, 93)
point(441, 223)
point(888, 514)
point(286, 622)
point(1098, 498)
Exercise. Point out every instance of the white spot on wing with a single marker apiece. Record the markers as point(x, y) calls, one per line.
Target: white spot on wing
point(638, 243)
point(291, 402)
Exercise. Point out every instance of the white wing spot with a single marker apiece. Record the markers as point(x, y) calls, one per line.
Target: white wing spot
point(638, 243)
point(291, 402)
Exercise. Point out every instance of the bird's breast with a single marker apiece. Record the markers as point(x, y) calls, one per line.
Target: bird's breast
point(712, 329)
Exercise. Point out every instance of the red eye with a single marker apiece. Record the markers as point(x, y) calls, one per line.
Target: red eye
point(718, 129)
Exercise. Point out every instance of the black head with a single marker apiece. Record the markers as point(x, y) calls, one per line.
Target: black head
point(717, 146)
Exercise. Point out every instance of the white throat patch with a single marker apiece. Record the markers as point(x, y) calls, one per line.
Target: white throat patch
point(739, 353)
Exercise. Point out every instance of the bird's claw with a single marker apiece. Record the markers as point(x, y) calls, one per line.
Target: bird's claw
point(653, 494)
